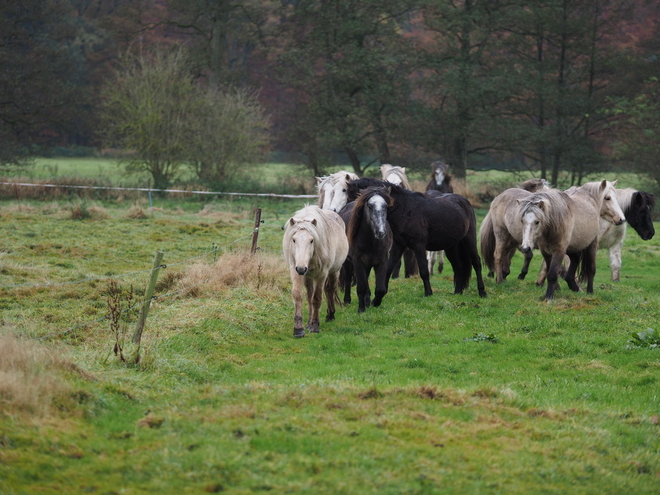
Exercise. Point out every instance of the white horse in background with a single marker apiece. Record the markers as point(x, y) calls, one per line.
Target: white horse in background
point(332, 190)
point(315, 247)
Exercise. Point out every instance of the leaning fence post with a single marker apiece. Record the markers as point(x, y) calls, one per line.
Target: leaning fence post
point(144, 311)
point(255, 232)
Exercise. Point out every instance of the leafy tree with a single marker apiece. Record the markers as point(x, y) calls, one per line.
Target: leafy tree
point(148, 104)
point(229, 132)
point(347, 77)
point(154, 107)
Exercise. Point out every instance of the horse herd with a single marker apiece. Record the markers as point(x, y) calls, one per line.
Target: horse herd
point(365, 224)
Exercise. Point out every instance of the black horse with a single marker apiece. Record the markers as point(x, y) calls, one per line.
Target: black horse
point(370, 241)
point(420, 223)
point(440, 179)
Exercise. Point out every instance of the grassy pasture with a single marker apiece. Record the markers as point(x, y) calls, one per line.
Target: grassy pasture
point(445, 394)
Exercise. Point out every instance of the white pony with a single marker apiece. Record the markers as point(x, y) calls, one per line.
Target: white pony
point(332, 190)
point(315, 247)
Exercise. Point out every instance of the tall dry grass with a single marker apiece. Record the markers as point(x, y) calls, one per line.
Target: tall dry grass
point(31, 376)
point(261, 271)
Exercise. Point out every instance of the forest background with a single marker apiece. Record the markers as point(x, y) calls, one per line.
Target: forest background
point(555, 86)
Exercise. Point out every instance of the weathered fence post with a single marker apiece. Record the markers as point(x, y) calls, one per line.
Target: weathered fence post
point(255, 232)
point(144, 311)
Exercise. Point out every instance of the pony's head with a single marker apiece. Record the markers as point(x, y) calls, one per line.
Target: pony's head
point(299, 239)
point(533, 217)
point(325, 190)
point(371, 207)
point(638, 207)
point(439, 171)
point(609, 206)
point(339, 190)
point(395, 175)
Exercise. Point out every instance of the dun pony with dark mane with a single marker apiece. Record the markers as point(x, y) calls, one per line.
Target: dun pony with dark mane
point(315, 247)
point(370, 241)
point(561, 223)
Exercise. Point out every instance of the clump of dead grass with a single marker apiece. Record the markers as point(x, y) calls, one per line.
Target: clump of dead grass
point(137, 212)
point(31, 376)
point(260, 271)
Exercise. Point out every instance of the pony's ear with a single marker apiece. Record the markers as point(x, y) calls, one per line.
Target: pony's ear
point(314, 221)
point(292, 222)
point(603, 184)
point(541, 204)
point(319, 180)
point(403, 169)
point(614, 182)
point(348, 177)
point(389, 189)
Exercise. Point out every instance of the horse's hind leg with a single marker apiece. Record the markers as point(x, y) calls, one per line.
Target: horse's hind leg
point(570, 272)
point(420, 254)
point(476, 264)
point(589, 265)
point(615, 261)
point(346, 279)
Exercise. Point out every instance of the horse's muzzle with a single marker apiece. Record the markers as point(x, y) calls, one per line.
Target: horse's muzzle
point(301, 270)
point(526, 249)
point(621, 220)
point(380, 235)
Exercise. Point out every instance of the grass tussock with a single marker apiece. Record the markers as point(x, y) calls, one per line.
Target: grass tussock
point(136, 212)
point(224, 217)
point(30, 376)
point(81, 211)
point(259, 272)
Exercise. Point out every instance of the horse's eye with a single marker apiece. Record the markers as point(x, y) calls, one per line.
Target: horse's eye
point(311, 241)
point(294, 241)
point(607, 198)
point(537, 222)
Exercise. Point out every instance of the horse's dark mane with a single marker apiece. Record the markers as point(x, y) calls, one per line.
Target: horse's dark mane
point(355, 187)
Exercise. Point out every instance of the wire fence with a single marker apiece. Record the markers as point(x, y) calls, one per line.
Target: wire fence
point(150, 190)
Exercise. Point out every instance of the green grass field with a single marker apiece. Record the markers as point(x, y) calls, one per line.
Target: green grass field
point(445, 394)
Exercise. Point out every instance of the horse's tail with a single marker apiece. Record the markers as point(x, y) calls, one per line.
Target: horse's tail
point(487, 242)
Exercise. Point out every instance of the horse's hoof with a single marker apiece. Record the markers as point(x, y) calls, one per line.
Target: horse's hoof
point(329, 318)
point(361, 310)
point(483, 294)
point(298, 332)
point(521, 276)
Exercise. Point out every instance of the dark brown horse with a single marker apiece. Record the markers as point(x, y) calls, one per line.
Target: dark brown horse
point(370, 242)
point(421, 223)
point(440, 179)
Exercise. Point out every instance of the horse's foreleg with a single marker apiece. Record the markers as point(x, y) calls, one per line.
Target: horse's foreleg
point(296, 293)
point(381, 283)
point(554, 264)
point(525, 268)
point(362, 280)
point(314, 294)
point(476, 264)
point(502, 262)
point(615, 261)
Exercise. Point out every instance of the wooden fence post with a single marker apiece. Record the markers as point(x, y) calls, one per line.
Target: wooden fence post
point(255, 232)
point(144, 311)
